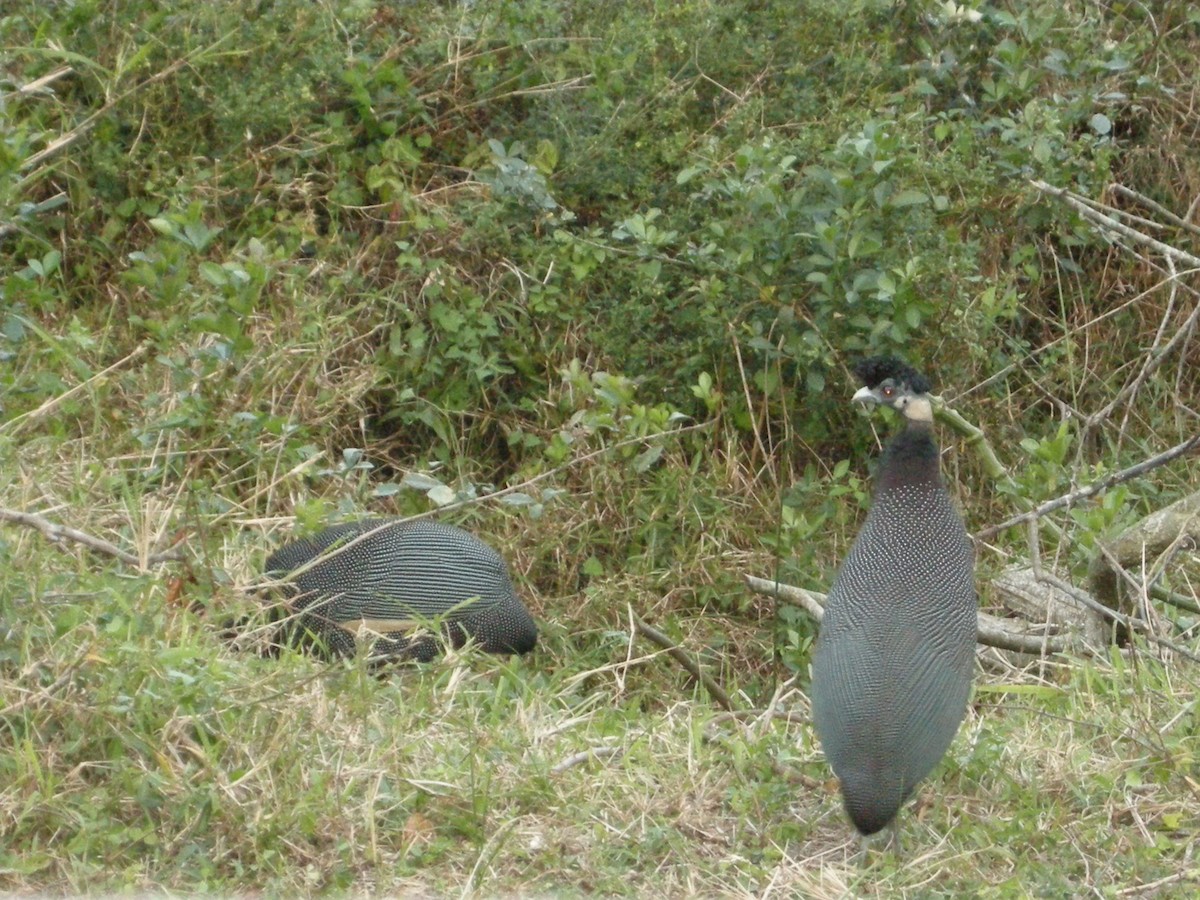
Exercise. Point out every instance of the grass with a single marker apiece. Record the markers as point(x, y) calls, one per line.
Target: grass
point(143, 753)
point(278, 269)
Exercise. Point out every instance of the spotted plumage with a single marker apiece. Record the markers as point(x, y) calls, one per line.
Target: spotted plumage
point(895, 655)
point(386, 579)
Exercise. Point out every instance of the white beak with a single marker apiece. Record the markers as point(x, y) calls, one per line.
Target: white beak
point(864, 395)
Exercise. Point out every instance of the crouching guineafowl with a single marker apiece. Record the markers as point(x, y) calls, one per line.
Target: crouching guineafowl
point(388, 578)
point(896, 649)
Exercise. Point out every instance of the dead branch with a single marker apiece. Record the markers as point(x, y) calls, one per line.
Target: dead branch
point(1152, 536)
point(57, 533)
point(1130, 622)
point(41, 85)
point(686, 660)
point(1032, 600)
point(1109, 224)
point(1157, 208)
point(33, 164)
point(989, 629)
point(1154, 359)
point(1092, 489)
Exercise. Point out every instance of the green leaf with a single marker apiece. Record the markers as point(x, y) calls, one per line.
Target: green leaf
point(909, 197)
point(517, 499)
point(420, 482)
point(162, 226)
point(545, 157)
point(1042, 150)
point(442, 495)
point(647, 458)
point(213, 274)
point(1100, 123)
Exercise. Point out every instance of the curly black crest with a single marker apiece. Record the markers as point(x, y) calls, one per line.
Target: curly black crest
point(874, 370)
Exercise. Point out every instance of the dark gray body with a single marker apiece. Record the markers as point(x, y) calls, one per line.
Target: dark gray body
point(896, 649)
point(400, 575)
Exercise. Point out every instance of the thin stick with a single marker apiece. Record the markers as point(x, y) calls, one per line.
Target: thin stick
point(758, 442)
point(33, 414)
point(1103, 484)
point(1156, 358)
point(46, 692)
point(41, 85)
point(810, 601)
point(1108, 223)
point(1130, 622)
point(471, 501)
point(583, 756)
point(686, 660)
point(1154, 207)
point(57, 533)
point(738, 714)
point(65, 140)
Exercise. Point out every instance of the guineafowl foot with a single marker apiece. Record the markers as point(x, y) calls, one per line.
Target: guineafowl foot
point(891, 843)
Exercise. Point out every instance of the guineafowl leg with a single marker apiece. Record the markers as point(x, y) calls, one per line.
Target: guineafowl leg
point(892, 842)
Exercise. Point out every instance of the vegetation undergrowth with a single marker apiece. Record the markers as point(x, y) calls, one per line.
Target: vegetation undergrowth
point(266, 266)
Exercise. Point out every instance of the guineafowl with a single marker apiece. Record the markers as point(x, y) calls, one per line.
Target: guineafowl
point(388, 577)
point(896, 649)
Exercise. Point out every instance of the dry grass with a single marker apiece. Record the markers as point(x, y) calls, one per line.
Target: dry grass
point(146, 754)
point(139, 752)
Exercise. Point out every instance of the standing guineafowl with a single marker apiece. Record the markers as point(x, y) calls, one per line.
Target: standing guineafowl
point(896, 650)
point(389, 577)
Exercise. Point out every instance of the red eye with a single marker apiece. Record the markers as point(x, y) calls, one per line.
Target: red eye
point(888, 391)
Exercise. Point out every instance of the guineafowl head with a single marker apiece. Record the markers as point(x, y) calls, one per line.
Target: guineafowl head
point(890, 382)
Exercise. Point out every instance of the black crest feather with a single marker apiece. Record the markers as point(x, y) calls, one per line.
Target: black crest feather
point(874, 370)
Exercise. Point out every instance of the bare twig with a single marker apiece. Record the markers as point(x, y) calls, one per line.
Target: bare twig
point(811, 602)
point(1154, 207)
point(1151, 888)
point(47, 692)
point(758, 441)
point(15, 424)
point(1156, 357)
point(42, 85)
point(583, 756)
point(1103, 484)
point(1161, 533)
point(57, 533)
point(686, 660)
point(31, 163)
point(1108, 223)
point(738, 714)
point(1131, 622)
point(471, 501)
